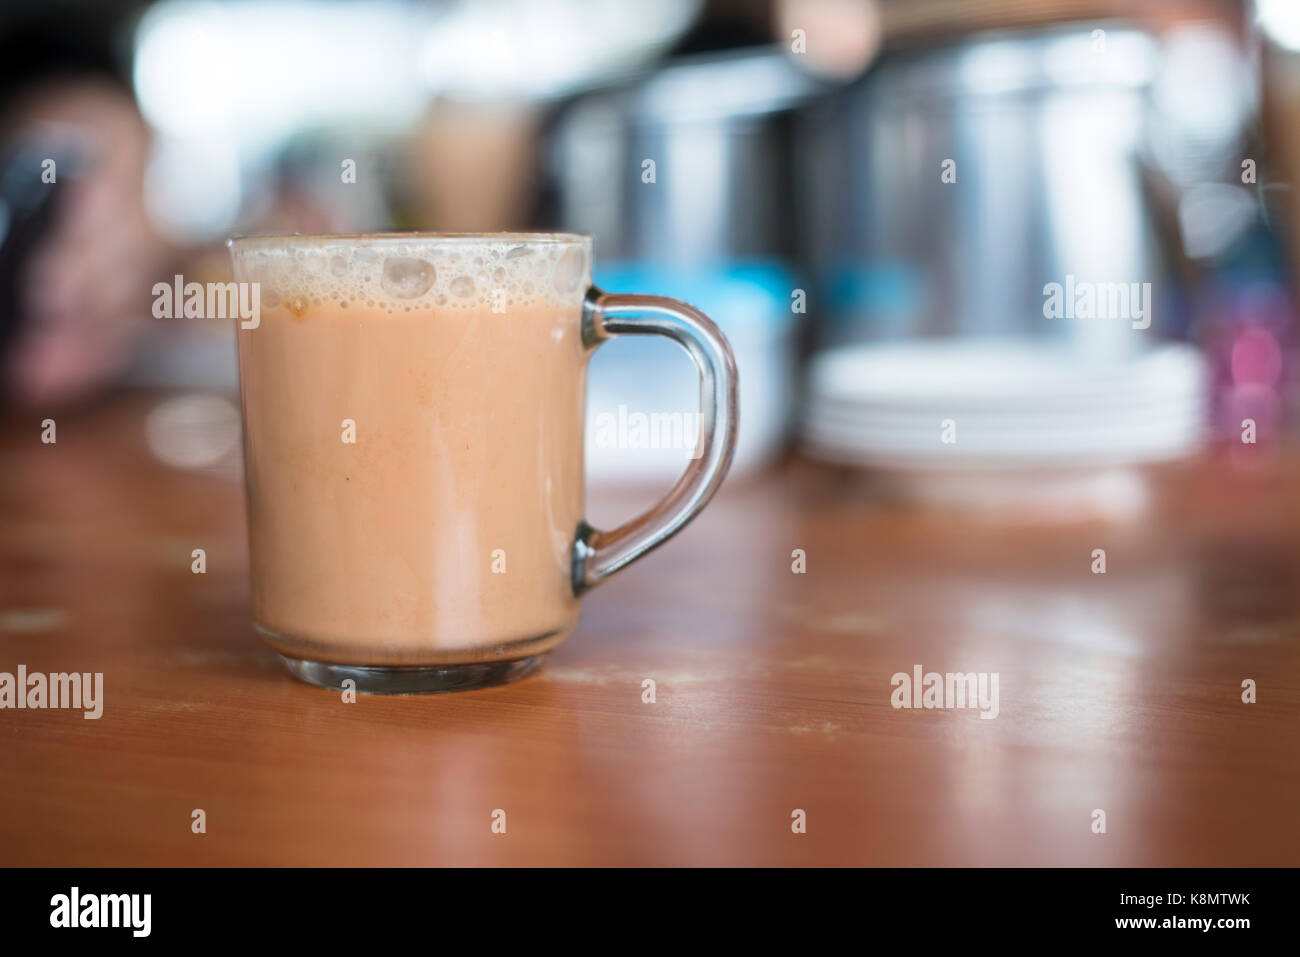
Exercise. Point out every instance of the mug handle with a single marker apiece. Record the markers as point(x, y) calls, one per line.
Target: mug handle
point(598, 554)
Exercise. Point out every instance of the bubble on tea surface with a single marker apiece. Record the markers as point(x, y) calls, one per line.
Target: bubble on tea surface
point(519, 252)
point(338, 265)
point(407, 278)
point(568, 271)
point(269, 295)
point(462, 286)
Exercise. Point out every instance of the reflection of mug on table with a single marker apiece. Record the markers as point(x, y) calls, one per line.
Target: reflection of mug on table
point(413, 417)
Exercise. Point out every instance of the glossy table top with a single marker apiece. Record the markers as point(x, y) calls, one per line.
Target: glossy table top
point(1119, 692)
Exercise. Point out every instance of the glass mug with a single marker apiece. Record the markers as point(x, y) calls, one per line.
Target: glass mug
point(414, 409)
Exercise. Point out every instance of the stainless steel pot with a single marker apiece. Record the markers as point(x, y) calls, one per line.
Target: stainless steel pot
point(947, 188)
point(717, 129)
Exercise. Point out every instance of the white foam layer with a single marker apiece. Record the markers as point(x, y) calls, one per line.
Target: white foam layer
point(400, 273)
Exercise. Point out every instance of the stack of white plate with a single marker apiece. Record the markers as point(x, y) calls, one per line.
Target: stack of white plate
point(967, 404)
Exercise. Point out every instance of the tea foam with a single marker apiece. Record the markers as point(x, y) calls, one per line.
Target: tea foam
point(394, 272)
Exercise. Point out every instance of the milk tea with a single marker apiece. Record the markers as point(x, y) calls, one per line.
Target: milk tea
point(413, 434)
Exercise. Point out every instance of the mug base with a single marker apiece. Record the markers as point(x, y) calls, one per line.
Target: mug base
point(412, 679)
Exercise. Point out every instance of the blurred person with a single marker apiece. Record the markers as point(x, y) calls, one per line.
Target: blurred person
point(80, 279)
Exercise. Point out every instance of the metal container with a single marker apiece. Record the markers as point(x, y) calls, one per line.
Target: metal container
point(717, 129)
point(950, 186)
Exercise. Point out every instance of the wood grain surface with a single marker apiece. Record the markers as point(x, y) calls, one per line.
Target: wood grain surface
point(1119, 692)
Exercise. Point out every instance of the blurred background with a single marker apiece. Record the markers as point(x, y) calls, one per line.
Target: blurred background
point(874, 199)
point(1009, 283)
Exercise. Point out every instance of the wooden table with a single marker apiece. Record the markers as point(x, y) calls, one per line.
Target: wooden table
point(1119, 692)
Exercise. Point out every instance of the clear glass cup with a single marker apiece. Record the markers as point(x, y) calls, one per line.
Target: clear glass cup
point(414, 409)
